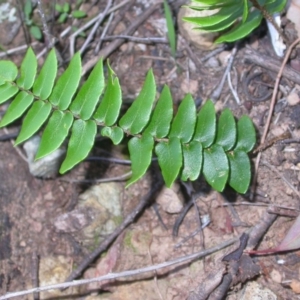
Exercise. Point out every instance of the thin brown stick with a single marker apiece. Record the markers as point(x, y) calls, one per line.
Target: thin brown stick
point(111, 276)
point(284, 179)
point(110, 179)
point(105, 52)
point(95, 27)
point(263, 205)
point(147, 40)
point(271, 64)
point(272, 105)
point(260, 229)
point(218, 90)
point(104, 32)
point(18, 49)
point(273, 100)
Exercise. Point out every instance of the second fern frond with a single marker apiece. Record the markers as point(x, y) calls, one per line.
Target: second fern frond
point(242, 15)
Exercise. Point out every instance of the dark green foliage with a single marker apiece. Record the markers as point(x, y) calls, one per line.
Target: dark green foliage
point(186, 144)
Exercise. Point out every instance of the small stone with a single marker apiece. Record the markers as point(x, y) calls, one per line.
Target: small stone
point(49, 196)
point(189, 86)
point(212, 63)
point(192, 66)
point(119, 28)
point(9, 22)
point(293, 99)
point(219, 106)
point(37, 213)
point(7, 13)
point(276, 276)
point(124, 47)
point(169, 201)
point(141, 47)
point(295, 286)
point(278, 130)
point(160, 25)
point(46, 167)
point(254, 44)
point(224, 57)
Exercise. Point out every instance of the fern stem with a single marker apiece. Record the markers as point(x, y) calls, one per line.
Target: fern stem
point(17, 49)
point(49, 38)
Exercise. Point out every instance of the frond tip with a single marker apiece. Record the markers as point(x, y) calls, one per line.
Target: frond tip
point(186, 144)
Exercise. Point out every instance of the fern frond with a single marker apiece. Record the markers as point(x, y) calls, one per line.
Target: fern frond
point(246, 14)
point(186, 144)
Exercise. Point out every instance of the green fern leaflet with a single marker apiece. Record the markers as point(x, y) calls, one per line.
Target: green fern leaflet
point(187, 144)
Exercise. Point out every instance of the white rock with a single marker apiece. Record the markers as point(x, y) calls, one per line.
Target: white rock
point(45, 167)
point(276, 276)
point(7, 13)
point(224, 57)
point(213, 63)
point(96, 215)
point(169, 201)
point(103, 202)
point(293, 99)
point(276, 39)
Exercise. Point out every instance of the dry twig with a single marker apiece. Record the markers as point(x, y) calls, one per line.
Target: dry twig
point(100, 18)
point(111, 276)
point(49, 39)
point(281, 176)
point(117, 43)
point(217, 91)
point(272, 105)
point(271, 64)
